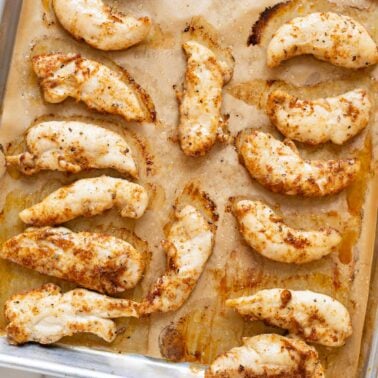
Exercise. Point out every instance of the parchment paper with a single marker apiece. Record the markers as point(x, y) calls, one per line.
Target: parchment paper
point(203, 327)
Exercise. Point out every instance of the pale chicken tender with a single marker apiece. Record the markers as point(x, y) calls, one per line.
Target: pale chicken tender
point(188, 246)
point(315, 317)
point(95, 261)
point(268, 356)
point(279, 167)
point(45, 315)
point(200, 104)
point(71, 146)
point(335, 119)
point(99, 87)
point(267, 234)
point(88, 197)
point(99, 25)
point(329, 36)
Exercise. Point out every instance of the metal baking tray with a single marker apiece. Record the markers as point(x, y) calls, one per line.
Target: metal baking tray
point(63, 361)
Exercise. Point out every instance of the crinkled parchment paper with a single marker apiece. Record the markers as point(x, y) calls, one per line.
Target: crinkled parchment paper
point(203, 327)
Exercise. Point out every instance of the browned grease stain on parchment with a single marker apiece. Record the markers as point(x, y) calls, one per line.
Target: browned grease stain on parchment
point(355, 198)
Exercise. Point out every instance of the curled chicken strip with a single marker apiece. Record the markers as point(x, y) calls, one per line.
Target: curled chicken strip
point(45, 315)
point(266, 233)
point(99, 25)
point(96, 261)
point(335, 119)
point(88, 197)
point(72, 147)
point(99, 87)
point(268, 356)
point(200, 104)
point(278, 167)
point(188, 246)
point(331, 37)
point(315, 317)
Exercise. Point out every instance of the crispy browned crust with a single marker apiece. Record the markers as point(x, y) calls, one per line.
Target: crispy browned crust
point(192, 193)
point(259, 26)
point(144, 98)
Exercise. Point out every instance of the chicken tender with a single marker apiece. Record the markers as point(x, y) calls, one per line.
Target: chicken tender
point(70, 146)
point(99, 25)
point(99, 87)
point(188, 246)
point(88, 197)
point(335, 119)
point(268, 356)
point(200, 106)
point(315, 317)
point(278, 167)
point(331, 37)
point(267, 234)
point(45, 315)
point(96, 261)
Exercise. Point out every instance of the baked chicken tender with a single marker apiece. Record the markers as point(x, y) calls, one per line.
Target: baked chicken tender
point(45, 315)
point(88, 197)
point(99, 25)
point(268, 355)
point(188, 246)
point(95, 261)
point(317, 318)
point(278, 167)
point(267, 234)
point(335, 119)
point(200, 104)
point(99, 87)
point(329, 36)
point(71, 146)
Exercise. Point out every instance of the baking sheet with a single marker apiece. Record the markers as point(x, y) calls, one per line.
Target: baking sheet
point(203, 327)
point(368, 365)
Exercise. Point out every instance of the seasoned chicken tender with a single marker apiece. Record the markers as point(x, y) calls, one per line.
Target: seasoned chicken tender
point(188, 246)
point(45, 315)
point(278, 167)
point(99, 25)
point(331, 37)
point(71, 146)
point(266, 233)
point(99, 87)
point(335, 119)
point(96, 261)
point(315, 317)
point(88, 197)
point(200, 104)
point(268, 356)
